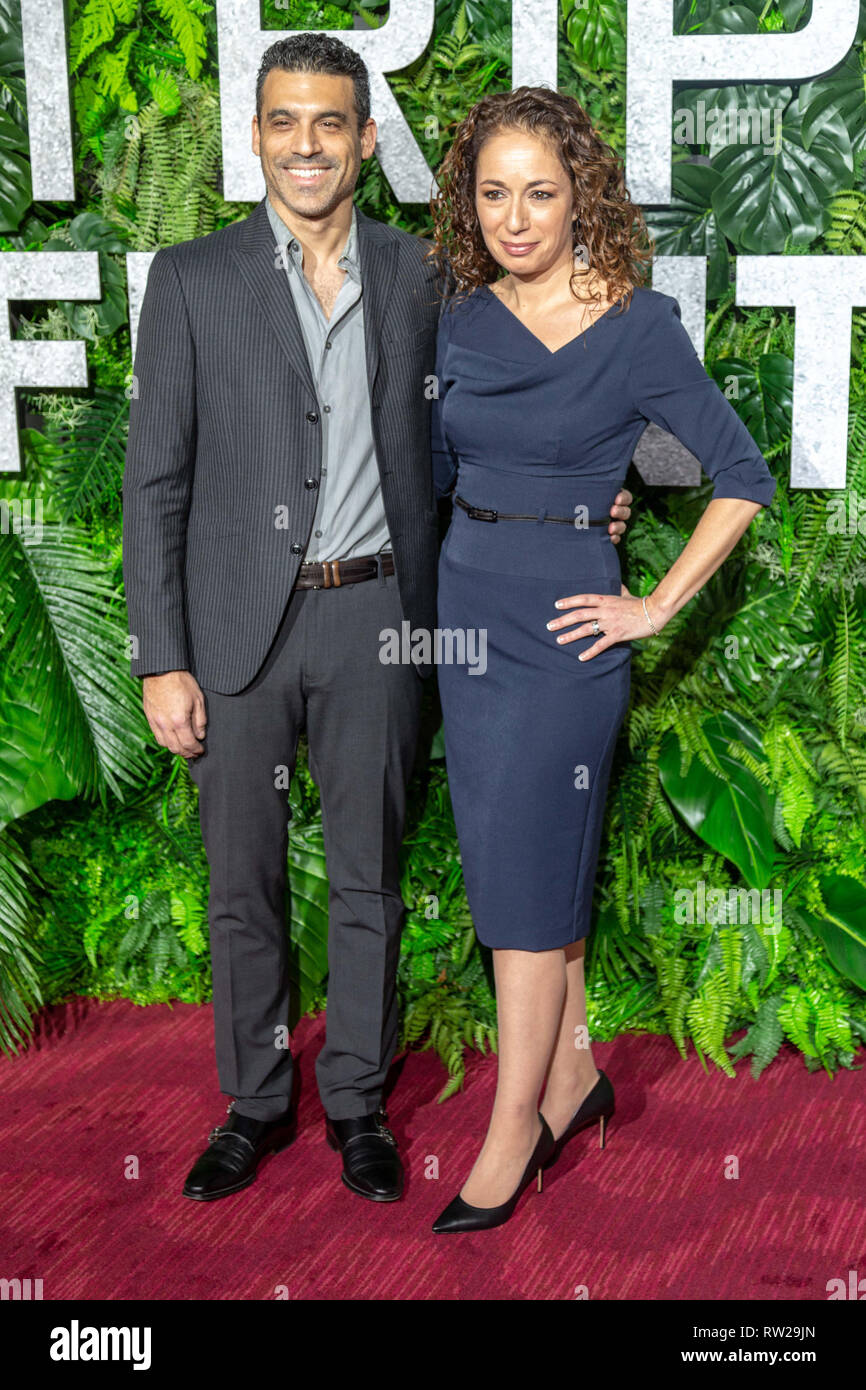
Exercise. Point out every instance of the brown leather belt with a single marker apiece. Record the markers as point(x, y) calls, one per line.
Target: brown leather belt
point(333, 574)
point(488, 514)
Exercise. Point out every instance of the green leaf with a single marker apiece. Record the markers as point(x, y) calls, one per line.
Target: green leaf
point(689, 227)
point(20, 962)
point(726, 805)
point(766, 200)
point(837, 96)
point(309, 913)
point(65, 647)
point(82, 458)
point(843, 930)
point(707, 17)
point(596, 33)
point(187, 29)
point(30, 773)
point(764, 397)
point(16, 193)
point(90, 232)
point(770, 631)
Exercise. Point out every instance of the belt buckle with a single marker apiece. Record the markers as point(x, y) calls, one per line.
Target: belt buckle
point(331, 574)
point(483, 514)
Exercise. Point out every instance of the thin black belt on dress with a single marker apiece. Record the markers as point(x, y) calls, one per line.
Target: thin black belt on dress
point(487, 514)
point(332, 574)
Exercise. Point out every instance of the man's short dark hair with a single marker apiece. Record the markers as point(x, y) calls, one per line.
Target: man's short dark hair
point(317, 53)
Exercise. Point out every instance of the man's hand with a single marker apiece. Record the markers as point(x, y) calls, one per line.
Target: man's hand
point(175, 708)
point(621, 508)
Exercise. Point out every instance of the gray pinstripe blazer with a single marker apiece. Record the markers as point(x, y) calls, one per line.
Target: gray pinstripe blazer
point(223, 455)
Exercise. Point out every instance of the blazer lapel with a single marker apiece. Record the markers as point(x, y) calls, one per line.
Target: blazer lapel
point(258, 262)
point(378, 256)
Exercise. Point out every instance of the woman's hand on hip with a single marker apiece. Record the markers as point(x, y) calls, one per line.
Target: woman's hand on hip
point(621, 618)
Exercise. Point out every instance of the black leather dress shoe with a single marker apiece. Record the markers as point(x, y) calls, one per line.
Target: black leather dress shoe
point(234, 1149)
point(371, 1163)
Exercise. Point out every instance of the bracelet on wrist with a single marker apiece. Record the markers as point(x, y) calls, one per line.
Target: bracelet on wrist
point(649, 619)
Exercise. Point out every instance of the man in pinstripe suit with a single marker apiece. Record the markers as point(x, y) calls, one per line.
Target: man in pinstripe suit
point(279, 513)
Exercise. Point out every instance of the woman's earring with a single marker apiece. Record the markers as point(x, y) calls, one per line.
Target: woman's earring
point(580, 252)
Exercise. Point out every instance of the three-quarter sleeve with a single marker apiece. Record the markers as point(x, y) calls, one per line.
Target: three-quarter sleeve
point(671, 387)
point(444, 457)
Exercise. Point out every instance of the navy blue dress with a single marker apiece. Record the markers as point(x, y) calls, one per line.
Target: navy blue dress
point(530, 730)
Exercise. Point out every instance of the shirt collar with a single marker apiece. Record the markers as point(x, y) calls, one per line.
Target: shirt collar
point(293, 255)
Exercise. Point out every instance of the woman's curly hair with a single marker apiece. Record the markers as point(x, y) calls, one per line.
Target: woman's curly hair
point(610, 227)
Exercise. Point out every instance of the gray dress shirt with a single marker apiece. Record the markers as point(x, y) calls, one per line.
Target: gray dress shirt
point(350, 514)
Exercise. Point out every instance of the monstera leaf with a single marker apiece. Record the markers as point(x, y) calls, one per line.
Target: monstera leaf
point(596, 33)
point(308, 951)
point(16, 193)
point(842, 931)
point(90, 232)
point(764, 394)
point(705, 17)
point(721, 116)
point(770, 632)
point(688, 226)
point(727, 807)
point(766, 198)
point(838, 96)
point(792, 10)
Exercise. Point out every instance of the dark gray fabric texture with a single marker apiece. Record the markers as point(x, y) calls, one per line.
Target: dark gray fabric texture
point(360, 715)
point(224, 451)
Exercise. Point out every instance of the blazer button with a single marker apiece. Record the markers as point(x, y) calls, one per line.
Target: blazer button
point(297, 549)
point(311, 483)
point(312, 416)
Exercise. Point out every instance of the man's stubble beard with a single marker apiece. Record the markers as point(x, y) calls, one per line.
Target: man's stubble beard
point(346, 187)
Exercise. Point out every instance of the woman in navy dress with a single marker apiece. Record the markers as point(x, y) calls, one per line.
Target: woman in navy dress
point(547, 375)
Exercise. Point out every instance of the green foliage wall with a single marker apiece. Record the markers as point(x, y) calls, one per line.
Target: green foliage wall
point(741, 766)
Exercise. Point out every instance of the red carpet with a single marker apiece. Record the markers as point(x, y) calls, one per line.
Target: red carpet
point(653, 1216)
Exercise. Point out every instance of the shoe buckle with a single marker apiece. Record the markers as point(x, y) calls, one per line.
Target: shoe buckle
point(383, 1129)
point(217, 1131)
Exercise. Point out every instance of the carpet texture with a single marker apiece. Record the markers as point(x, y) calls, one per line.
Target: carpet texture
point(108, 1090)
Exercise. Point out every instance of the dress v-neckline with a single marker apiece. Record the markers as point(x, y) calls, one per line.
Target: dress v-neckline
point(552, 352)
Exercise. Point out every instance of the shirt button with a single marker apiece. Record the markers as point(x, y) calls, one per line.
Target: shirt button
point(293, 246)
point(297, 549)
point(326, 407)
point(310, 483)
point(318, 533)
point(328, 343)
point(312, 416)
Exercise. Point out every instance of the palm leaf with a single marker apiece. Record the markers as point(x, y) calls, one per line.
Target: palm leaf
point(64, 646)
point(82, 457)
point(20, 992)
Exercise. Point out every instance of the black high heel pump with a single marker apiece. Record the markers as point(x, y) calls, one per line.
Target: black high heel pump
point(460, 1216)
point(598, 1105)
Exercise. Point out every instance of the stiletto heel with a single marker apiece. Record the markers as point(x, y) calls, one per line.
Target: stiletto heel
point(598, 1105)
point(460, 1216)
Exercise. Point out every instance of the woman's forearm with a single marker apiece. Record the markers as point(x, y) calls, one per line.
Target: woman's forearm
point(713, 539)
